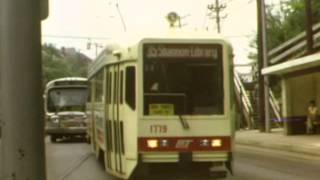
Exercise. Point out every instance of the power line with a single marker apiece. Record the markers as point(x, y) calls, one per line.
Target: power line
point(240, 36)
point(121, 18)
point(204, 23)
point(75, 37)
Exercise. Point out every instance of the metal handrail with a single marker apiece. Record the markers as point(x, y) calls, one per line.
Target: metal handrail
point(274, 105)
point(242, 90)
point(244, 99)
point(292, 46)
point(292, 50)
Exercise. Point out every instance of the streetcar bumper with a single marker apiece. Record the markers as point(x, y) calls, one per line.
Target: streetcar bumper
point(161, 157)
point(66, 130)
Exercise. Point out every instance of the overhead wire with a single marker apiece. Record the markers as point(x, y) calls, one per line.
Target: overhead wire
point(75, 37)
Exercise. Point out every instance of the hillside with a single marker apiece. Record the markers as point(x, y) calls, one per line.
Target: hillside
point(63, 62)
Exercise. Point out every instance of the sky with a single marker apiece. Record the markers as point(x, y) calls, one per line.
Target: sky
point(74, 23)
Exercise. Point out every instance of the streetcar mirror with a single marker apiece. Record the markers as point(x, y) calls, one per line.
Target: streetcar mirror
point(44, 9)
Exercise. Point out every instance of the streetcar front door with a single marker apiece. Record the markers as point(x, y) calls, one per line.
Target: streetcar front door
point(114, 125)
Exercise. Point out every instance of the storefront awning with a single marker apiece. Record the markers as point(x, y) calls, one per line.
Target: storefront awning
point(311, 62)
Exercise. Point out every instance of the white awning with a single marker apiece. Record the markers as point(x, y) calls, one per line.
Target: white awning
point(311, 61)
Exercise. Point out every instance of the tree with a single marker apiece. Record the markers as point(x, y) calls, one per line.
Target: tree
point(283, 23)
point(286, 22)
point(58, 63)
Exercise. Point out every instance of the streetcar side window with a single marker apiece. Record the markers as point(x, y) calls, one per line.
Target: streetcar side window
point(115, 93)
point(109, 88)
point(121, 87)
point(130, 81)
point(90, 86)
point(99, 87)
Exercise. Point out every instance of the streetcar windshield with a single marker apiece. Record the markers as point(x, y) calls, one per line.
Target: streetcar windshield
point(67, 99)
point(183, 85)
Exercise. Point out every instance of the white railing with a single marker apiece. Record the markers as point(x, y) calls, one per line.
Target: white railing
point(244, 99)
point(293, 46)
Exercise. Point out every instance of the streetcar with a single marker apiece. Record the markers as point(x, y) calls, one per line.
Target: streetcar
point(65, 106)
point(164, 100)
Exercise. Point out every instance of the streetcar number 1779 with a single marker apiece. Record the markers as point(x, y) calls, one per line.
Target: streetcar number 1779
point(158, 129)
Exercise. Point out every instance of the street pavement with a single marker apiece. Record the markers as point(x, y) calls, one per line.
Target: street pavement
point(74, 161)
point(276, 140)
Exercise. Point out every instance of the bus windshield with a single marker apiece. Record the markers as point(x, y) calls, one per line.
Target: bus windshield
point(67, 99)
point(176, 84)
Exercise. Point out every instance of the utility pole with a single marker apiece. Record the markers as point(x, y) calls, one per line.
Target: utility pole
point(22, 146)
point(217, 9)
point(263, 89)
point(96, 45)
point(309, 20)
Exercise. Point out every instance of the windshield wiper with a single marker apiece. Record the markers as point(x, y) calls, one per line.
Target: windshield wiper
point(184, 122)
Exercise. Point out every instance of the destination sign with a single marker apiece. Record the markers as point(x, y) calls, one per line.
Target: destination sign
point(182, 51)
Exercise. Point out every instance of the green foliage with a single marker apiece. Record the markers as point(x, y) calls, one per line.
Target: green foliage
point(57, 64)
point(283, 23)
point(286, 22)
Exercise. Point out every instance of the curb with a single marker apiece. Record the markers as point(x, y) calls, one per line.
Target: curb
point(299, 149)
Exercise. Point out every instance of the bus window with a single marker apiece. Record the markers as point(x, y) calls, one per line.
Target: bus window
point(67, 99)
point(131, 87)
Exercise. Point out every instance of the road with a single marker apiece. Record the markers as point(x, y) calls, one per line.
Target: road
point(74, 161)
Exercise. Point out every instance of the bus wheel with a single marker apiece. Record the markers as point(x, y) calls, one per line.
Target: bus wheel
point(53, 138)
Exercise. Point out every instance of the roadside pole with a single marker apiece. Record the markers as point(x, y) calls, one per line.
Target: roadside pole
point(21, 94)
point(309, 19)
point(261, 89)
point(265, 64)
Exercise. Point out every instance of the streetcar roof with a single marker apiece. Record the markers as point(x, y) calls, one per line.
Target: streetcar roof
point(134, 39)
point(127, 45)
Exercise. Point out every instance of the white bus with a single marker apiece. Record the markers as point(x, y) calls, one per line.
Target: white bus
point(163, 101)
point(65, 107)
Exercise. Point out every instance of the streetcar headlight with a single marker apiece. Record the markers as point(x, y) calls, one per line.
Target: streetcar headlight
point(216, 143)
point(152, 143)
point(164, 143)
point(204, 143)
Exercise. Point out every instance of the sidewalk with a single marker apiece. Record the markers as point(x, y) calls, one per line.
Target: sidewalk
point(276, 140)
